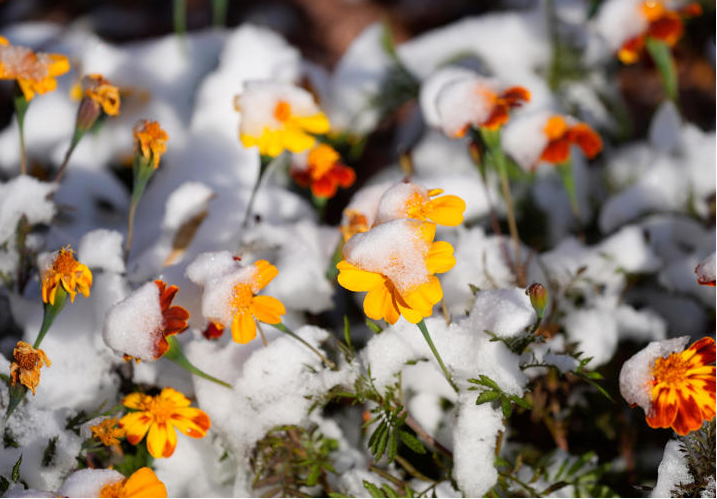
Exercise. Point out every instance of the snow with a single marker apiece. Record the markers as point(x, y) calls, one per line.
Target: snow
point(672, 471)
point(465, 101)
point(102, 249)
point(365, 202)
point(14, 197)
point(431, 87)
point(134, 326)
point(705, 270)
point(189, 200)
point(619, 20)
point(504, 312)
point(636, 372)
point(524, 138)
point(88, 482)
point(398, 199)
point(394, 249)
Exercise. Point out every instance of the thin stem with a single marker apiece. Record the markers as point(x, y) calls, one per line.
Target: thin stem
point(75, 140)
point(176, 355)
point(21, 105)
point(50, 312)
point(23, 154)
point(219, 12)
point(180, 17)
point(130, 227)
point(424, 330)
point(264, 164)
point(413, 424)
point(281, 327)
point(261, 332)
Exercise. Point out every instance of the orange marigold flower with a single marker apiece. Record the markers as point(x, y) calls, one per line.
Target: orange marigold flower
point(61, 268)
point(353, 222)
point(324, 172)
point(27, 364)
point(408, 200)
point(561, 134)
point(150, 141)
point(158, 416)
point(107, 432)
point(661, 23)
point(213, 331)
point(394, 263)
point(174, 317)
point(34, 72)
point(103, 93)
point(142, 483)
point(683, 388)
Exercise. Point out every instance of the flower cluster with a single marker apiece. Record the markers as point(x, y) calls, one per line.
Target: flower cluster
point(35, 73)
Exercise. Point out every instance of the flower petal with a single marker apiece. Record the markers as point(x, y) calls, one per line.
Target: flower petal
point(689, 416)
point(379, 304)
point(267, 309)
point(144, 483)
point(161, 440)
point(440, 257)
point(446, 210)
point(191, 421)
point(586, 138)
point(177, 398)
point(243, 327)
point(355, 279)
point(135, 425)
point(265, 272)
point(424, 297)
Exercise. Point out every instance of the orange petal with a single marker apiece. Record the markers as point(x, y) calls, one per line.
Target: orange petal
point(425, 296)
point(191, 421)
point(267, 309)
point(135, 425)
point(379, 304)
point(515, 96)
point(555, 128)
point(586, 138)
point(663, 410)
point(177, 398)
point(497, 118)
point(668, 28)
point(689, 416)
point(701, 352)
point(243, 327)
point(144, 483)
point(161, 440)
point(323, 187)
point(265, 273)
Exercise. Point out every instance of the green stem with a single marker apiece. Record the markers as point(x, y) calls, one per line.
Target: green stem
point(281, 327)
point(424, 330)
point(143, 171)
point(264, 164)
point(566, 174)
point(320, 205)
point(180, 17)
point(219, 12)
point(50, 312)
point(21, 105)
point(75, 140)
point(176, 355)
point(662, 57)
point(336, 257)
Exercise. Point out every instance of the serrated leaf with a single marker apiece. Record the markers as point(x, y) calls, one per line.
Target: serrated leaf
point(506, 407)
point(372, 489)
point(487, 396)
point(15, 476)
point(411, 442)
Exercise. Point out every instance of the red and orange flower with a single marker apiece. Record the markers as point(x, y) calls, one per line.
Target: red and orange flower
point(561, 135)
point(324, 172)
point(683, 388)
point(662, 24)
point(159, 417)
point(174, 318)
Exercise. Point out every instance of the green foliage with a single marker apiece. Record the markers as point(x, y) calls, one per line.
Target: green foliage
point(131, 462)
point(699, 450)
point(491, 392)
point(49, 453)
point(291, 457)
point(14, 476)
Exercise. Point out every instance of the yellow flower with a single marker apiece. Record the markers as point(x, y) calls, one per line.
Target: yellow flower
point(387, 296)
point(142, 483)
point(103, 93)
point(150, 141)
point(68, 272)
point(34, 72)
point(683, 388)
point(107, 432)
point(27, 364)
point(248, 308)
point(158, 416)
point(278, 116)
point(408, 200)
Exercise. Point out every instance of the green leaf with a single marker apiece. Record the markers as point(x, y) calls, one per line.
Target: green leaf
point(580, 462)
point(49, 454)
point(347, 333)
point(4, 485)
point(411, 442)
point(388, 491)
point(372, 489)
point(313, 475)
point(487, 396)
point(553, 488)
point(486, 381)
point(392, 446)
point(337, 495)
point(15, 476)
point(373, 326)
point(521, 402)
point(506, 407)
point(662, 57)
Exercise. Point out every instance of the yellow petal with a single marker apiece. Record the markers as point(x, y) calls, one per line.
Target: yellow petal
point(355, 279)
point(380, 304)
point(317, 123)
point(144, 483)
point(135, 425)
point(135, 400)
point(446, 210)
point(243, 327)
point(191, 421)
point(161, 440)
point(177, 398)
point(265, 272)
point(412, 316)
point(424, 297)
point(296, 140)
point(427, 231)
point(440, 257)
point(267, 309)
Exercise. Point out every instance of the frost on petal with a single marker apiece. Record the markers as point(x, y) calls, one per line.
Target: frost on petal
point(365, 202)
point(397, 200)
point(673, 471)
point(636, 372)
point(431, 87)
point(394, 249)
point(134, 326)
point(706, 270)
point(524, 138)
point(619, 20)
point(464, 102)
point(88, 482)
point(210, 265)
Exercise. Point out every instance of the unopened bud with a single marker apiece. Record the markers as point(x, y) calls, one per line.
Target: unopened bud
point(538, 297)
point(87, 114)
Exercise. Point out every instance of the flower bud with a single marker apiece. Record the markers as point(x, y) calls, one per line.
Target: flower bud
point(87, 114)
point(538, 297)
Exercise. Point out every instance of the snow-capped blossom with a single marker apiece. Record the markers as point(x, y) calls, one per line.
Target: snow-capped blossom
point(675, 390)
point(150, 141)
point(61, 269)
point(103, 93)
point(476, 101)
point(25, 369)
point(277, 116)
point(543, 136)
point(626, 24)
point(705, 271)
point(111, 483)
point(352, 222)
point(407, 200)
point(34, 72)
point(158, 416)
point(360, 213)
point(395, 262)
point(138, 326)
point(323, 171)
point(107, 432)
point(230, 293)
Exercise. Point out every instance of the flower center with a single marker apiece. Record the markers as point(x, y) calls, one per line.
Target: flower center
point(556, 127)
point(652, 10)
point(161, 409)
point(27, 361)
point(670, 370)
point(415, 206)
point(241, 299)
point(115, 489)
point(321, 159)
point(282, 111)
point(65, 263)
